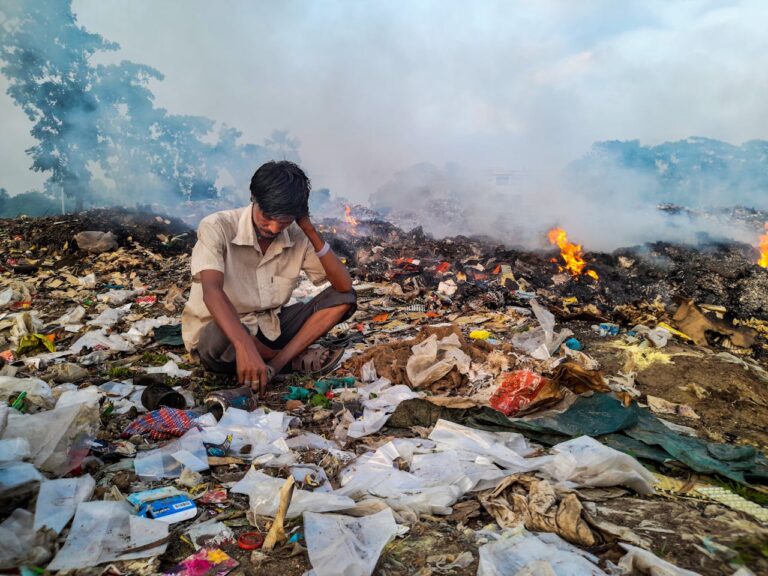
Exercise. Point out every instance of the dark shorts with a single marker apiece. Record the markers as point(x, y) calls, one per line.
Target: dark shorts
point(218, 354)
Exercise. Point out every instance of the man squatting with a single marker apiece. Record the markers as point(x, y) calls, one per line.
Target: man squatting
point(245, 265)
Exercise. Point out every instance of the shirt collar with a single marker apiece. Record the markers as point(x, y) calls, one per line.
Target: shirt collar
point(246, 232)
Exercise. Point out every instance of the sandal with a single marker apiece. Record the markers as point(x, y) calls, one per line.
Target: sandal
point(312, 363)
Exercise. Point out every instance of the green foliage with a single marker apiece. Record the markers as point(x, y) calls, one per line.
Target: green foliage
point(154, 359)
point(87, 116)
point(120, 373)
point(28, 204)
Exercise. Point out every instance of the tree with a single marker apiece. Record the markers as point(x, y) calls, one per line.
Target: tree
point(86, 116)
point(45, 57)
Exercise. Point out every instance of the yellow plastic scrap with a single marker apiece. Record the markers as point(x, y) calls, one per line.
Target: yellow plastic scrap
point(32, 341)
point(570, 300)
point(673, 331)
point(638, 359)
point(677, 487)
point(479, 334)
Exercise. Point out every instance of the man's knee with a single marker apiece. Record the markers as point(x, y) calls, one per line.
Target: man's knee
point(214, 349)
point(336, 298)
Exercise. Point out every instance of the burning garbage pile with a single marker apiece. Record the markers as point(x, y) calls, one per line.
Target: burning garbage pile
point(502, 409)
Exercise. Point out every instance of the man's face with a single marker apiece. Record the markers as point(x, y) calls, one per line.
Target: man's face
point(267, 227)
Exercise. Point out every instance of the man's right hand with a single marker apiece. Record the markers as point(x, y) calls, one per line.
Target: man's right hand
point(251, 369)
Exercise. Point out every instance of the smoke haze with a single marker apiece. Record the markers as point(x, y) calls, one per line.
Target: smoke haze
point(501, 88)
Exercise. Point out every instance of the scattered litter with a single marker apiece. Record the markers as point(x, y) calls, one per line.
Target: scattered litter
point(105, 531)
point(205, 562)
point(339, 544)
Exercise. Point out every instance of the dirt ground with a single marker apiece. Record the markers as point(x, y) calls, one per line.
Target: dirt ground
point(735, 408)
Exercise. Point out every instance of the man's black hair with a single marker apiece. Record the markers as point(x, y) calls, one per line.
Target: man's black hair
point(281, 189)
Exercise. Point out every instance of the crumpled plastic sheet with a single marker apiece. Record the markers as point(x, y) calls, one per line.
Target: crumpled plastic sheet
point(639, 561)
point(170, 368)
point(535, 554)
point(141, 329)
point(169, 460)
point(38, 392)
point(505, 449)
point(58, 500)
point(597, 465)
point(117, 296)
point(423, 490)
point(345, 546)
point(72, 319)
point(263, 491)
point(212, 532)
point(14, 450)
point(376, 410)
point(6, 296)
point(432, 359)
point(90, 395)
point(100, 338)
point(96, 241)
point(106, 531)
point(19, 540)
point(59, 438)
point(18, 478)
point(110, 316)
point(26, 323)
point(259, 432)
point(542, 341)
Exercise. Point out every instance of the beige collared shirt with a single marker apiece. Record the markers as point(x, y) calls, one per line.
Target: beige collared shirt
point(257, 284)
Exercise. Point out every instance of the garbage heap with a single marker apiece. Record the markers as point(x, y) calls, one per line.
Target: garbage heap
point(492, 414)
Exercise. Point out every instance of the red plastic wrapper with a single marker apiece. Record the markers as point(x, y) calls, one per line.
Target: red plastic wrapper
point(517, 392)
point(146, 301)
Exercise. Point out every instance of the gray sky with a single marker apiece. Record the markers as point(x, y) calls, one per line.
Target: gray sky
point(371, 87)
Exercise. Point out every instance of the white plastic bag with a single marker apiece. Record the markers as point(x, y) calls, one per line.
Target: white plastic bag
point(58, 439)
point(95, 241)
point(380, 400)
point(432, 359)
point(542, 341)
point(94, 338)
point(58, 500)
point(506, 449)
point(599, 465)
point(211, 532)
point(529, 554)
point(140, 331)
point(21, 543)
point(38, 391)
point(73, 316)
point(253, 433)
point(110, 316)
point(105, 531)
point(263, 491)
point(169, 460)
point(6, 296)
point(116, 297)
point(14, 450)
point(421, 491)
point(170, 368)
point(345, 546)
point(18, 478)
point(639, 561)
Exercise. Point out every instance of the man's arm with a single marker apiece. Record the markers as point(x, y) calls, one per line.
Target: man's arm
point(251, 368)
point(335, 271)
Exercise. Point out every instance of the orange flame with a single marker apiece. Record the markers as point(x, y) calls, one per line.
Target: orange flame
point(764, 248)
point(348, 215)
point(571, 253)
